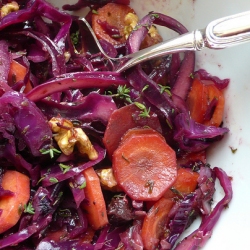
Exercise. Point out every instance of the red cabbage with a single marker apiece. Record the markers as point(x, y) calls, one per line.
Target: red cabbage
point(182, 218)
point(204, 75)
point(78, 80)
point(75, 184)
point(200, 236)
point(4, 67)
point(192, 136)
point(56, 172)
point(94, 107)
point(29, 121)
point(74, 86)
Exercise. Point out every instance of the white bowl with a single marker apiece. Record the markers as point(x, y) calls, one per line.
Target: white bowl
point(232, 230)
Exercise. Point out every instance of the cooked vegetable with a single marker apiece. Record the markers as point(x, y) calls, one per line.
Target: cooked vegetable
point(206, 103)
point(144, 165)
point(109, 22)
point(18, 73)
point(13, 205)
point(98, 159)
point(186, 183)
point(154, 224)
point(123, 119)
point(95, 205)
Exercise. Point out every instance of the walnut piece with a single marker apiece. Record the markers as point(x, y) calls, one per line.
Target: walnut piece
point(8, 8)
point(107, 179)
point(130, 20)
point(67, 137)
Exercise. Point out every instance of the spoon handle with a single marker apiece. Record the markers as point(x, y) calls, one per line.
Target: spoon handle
point(228, 31)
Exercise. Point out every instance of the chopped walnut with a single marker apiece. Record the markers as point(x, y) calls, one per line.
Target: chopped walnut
point(130, 20)
point(107, 179)
point(8, 8)
point(153, 32)
point(67, 136)
point(67, 56)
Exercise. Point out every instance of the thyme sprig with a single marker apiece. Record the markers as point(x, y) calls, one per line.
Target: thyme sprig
point(29, 208)
point(165, 89)
point(51, 151)
point(122, 93)
point(64, 168)
point(144, 111)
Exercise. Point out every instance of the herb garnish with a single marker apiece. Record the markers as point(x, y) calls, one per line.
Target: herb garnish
point(64, 168)
point(29, 209)
point(75, 37)
point(150, 185)
point(155, 15)
point(95, 12)
point(53, 180)
point(165, 89)
point(83, 185)
point(122, 93)
point(144, 111)
point(50, 151)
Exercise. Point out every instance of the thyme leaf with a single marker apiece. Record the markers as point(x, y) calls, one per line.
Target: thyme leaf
point(29, 208)
point(50, 151)
point(64, 168)
point(122, 93)
point(95, 12)
point(144, 111)
point(53, 180)
point(150, 185)
point(165, 89)
point(83, 185)
point(75, 37)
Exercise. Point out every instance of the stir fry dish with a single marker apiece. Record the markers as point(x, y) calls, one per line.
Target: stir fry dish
point(95, 159)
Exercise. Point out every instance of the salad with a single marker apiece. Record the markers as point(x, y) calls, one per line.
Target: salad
point(94, 159)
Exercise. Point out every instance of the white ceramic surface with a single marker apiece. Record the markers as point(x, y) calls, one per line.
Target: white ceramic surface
point(232, 230)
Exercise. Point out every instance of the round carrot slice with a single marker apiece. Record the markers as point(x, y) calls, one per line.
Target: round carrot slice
point(112, 16)
point(123, 119)
point(145, 166)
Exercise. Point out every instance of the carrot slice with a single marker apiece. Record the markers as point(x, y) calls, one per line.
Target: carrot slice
point(200, 97)
point(145, 166)
point(124, 119)
point(139, 132)
point(185, 183)
point(12, 206)
point(95, 206)
point(113, 15)
point(17, 73)
point(153, 226)
point(192, 158)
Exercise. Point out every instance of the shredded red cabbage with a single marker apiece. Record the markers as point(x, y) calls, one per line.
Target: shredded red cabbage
point(70, 81)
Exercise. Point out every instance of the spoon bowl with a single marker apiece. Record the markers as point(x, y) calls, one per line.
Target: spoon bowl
point(219, 34)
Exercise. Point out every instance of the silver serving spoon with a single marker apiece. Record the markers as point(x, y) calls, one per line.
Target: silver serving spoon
point(219, 34)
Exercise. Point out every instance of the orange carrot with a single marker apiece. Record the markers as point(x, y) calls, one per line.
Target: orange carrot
point(153, 224)
point(200, 97)
point(95, 206)
point(185, 183)
point(17, 73)
point(12, 206)
point(144, 166)
point(121, 121)
point(114, 14)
